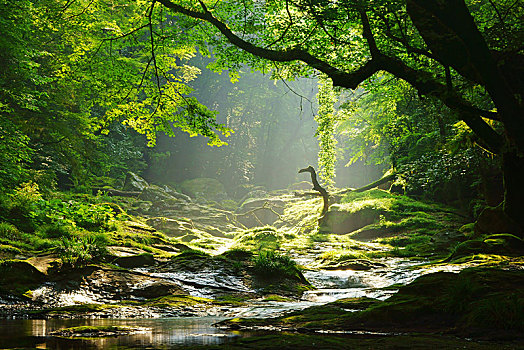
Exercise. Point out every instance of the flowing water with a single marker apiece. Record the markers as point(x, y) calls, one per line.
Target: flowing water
point(177, 331)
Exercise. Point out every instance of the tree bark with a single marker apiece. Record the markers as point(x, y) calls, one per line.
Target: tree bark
point(513, 170)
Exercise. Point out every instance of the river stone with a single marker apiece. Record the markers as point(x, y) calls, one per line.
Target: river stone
point(44, 263)
point(158, 289)
point(118, 251)
point(354, 264)
point(170, 190)
point(134, 182)
point(122, 285)
point(133, 261)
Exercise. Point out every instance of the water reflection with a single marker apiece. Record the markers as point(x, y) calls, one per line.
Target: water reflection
point(163, 332)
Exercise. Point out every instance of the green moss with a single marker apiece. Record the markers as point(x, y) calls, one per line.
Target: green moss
point(274, 297)
point(235, 299)
point(229, 204)
point(474, 302)
point(95, 331)
point(83, 308)
point(202, 187)
point(237, 254)
point(342, 255)
point(191, 254)
point(260, 238)
point(9, 249)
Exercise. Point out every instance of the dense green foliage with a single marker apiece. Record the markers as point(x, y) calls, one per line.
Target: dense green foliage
point(72, 72)
point(326, 130)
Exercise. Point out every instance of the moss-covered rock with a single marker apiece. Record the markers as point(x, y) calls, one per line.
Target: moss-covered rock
point(259, 238)
point(97, 331)
point(140, 260)
point(205, 189)
point(133, 182)
point(340, 220)
point(164, 194)
point(477, 302)
point(172, 227)
point(18, 277)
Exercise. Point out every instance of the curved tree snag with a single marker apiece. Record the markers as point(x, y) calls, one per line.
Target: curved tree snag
point(317, 187)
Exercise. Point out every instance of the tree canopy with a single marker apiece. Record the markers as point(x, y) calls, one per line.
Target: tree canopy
point(74, 68)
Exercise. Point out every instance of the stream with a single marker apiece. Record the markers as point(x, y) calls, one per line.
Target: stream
point(158, 332)
point(178, 331)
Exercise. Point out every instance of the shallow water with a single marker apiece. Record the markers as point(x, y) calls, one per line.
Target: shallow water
point(172, 332)
point(337, 284)
point(163, 332)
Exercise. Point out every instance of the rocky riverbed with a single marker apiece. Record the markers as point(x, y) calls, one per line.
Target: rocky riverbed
point(379, 264)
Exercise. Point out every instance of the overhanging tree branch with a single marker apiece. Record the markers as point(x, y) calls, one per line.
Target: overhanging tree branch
point(423, 81)
point(340, 78)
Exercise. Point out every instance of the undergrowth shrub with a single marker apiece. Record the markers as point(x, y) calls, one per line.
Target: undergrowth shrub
point(272, 264)
point(20, 206)
point(78, 251)
point(9, 231)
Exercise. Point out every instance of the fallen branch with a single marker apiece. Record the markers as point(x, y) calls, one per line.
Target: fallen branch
point(267, 206)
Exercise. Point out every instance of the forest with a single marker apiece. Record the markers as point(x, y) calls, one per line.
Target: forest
point(261, 174)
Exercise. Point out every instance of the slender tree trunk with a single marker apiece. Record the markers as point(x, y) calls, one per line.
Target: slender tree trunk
point(317, 187)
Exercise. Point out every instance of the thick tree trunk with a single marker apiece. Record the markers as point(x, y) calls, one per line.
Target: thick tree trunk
point(513, 168)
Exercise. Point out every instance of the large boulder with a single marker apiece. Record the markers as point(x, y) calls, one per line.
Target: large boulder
point(338, 220)
point(120, 285)
point(19, 275)
point(134, 261)
point(171, 227)
point(257, 193)
point(95, 285)
point(134, 183)
point(154, 193)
